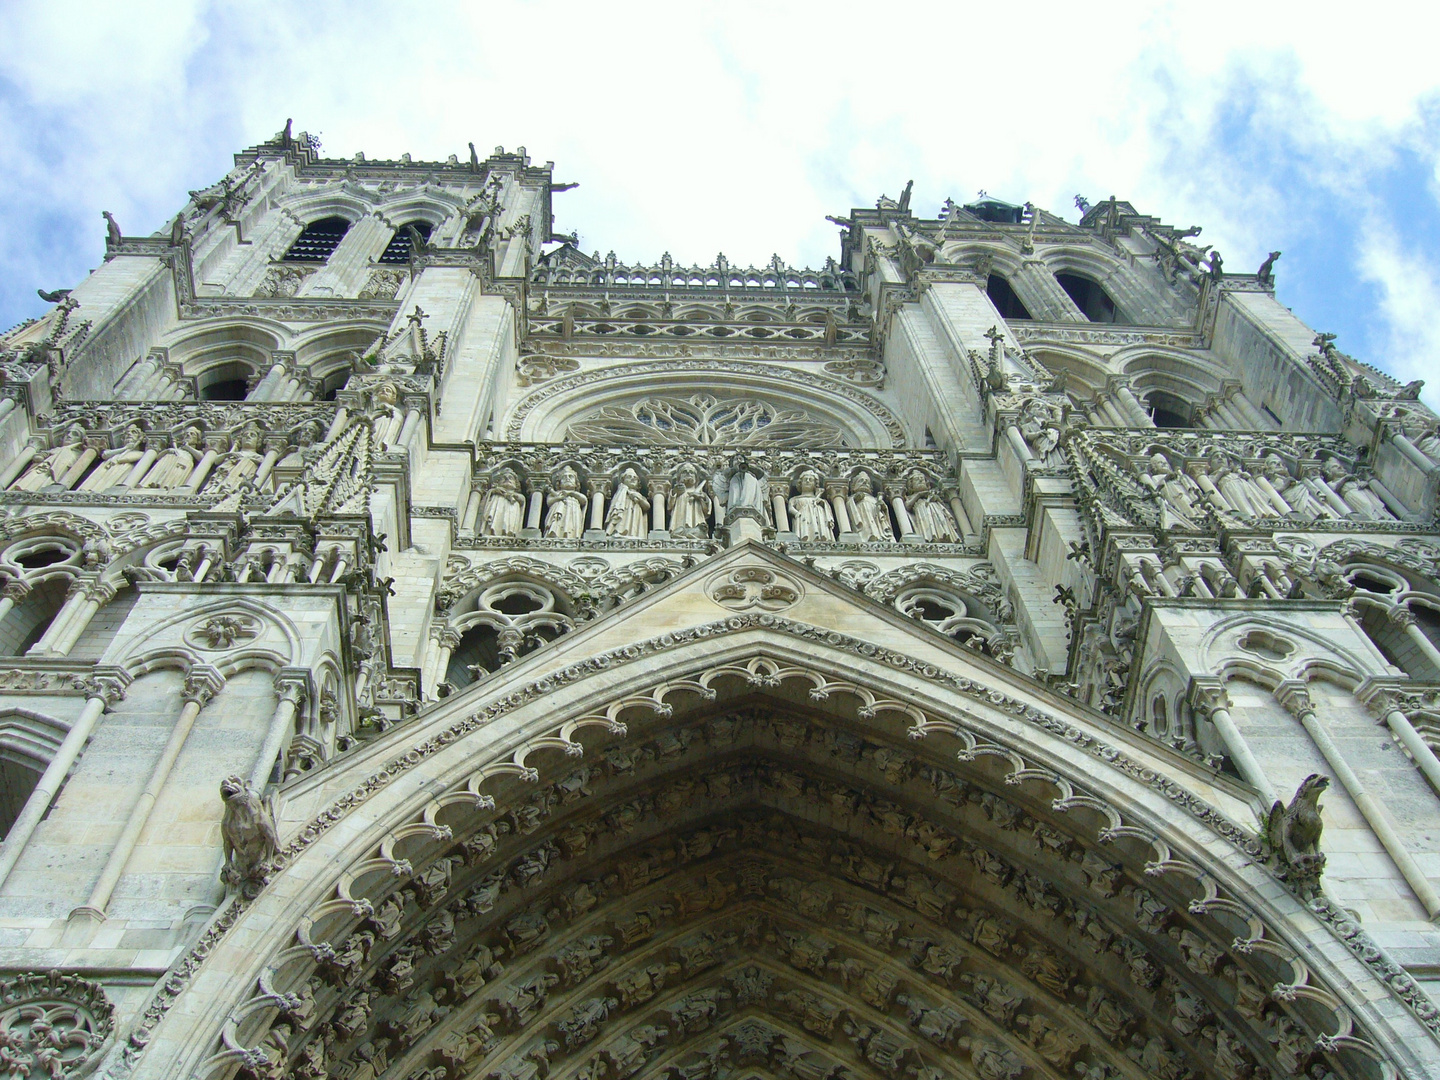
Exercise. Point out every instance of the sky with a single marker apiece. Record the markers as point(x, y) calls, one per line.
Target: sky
point(698, 128)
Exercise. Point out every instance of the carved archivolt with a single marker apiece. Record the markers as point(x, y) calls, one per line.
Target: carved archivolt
point(793, 891)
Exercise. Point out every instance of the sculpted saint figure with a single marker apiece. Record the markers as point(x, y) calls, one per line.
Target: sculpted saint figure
point(629, 513)
point(1236, 486)
point(868, 515)
point(930, 516)
point(1299, 499)
point(51, 466)
point(174, 466)
point(1177, 492)
point(239, 467)
point(565, 518)
point(1040, 427)
point(810, 515)
point(742, 487)
point(1355, 492)
point(116, 464)
point(690, 505)
point(503, 512)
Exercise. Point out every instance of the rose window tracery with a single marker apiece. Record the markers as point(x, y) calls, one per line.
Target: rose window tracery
point(704, 420)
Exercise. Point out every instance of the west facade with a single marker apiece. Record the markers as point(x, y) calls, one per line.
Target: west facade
point(429, 651)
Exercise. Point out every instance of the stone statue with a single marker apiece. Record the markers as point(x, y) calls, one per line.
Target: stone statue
point(306, 437)
point(503, 511)
point(931, 517)
point(247, 832)
point(810, 515)
point(742, 491)
point(1292, 836)
point(565, 517)
point(690, 505)
point(175, 465)
point(239, 467)
point(1266, 274)
point(1040, 424)
point(115, 465)
point(1298, 498)
point(1177, 493)
point(51, 466)
point(868, 515)
point(1236, 486)
point(629, 513)
point(1355, 492)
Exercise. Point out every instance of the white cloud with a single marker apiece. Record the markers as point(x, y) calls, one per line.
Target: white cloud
point(1410, 288)
point(696, 129)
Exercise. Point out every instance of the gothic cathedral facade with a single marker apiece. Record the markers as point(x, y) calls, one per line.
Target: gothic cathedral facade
point(429, 652)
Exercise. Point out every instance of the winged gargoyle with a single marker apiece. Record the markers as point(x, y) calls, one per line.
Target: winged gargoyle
point(1292, 837)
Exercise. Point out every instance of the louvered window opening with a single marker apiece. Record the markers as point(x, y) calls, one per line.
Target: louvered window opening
point(399, 248)
point(319, 241)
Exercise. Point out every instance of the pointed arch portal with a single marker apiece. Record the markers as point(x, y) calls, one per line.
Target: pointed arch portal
point(750, 847)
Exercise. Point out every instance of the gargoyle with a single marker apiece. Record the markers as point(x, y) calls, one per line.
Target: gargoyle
point(247, 831)
point(1292, 836)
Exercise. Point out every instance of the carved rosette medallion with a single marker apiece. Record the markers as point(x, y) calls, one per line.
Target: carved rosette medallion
point(224, 631)
point(52, 1025)
point(754, 588)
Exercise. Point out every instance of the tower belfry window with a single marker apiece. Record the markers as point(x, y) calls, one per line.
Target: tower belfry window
point(402, 244)
point(1091, 298)
point(319, 240)
point(1003, 297)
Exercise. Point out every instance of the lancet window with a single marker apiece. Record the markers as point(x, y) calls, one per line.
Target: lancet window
point(1001, 294)
point(1091, 298)
point(318, 241)
point(402, 244)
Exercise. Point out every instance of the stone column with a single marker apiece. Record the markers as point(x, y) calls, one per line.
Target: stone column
point(74, 599)
point(97, 594)
point(1211, 701)
point(15, 590)
point(535, 510)
point(1297, 702)
point(266, 387)
point(141, 467)
point(201, 684)
point(292, 686)
point(659, 491)
point(77, 469)
point(472, 511)
point(108, 689)
point(599, 492)
point(21, 462)
point(835, 491)
point(902, 515)
point(445, 640)
point(1129, 405)
point(781, 511)
point(1404, 618)
point(1388, 709)
point(202, 469)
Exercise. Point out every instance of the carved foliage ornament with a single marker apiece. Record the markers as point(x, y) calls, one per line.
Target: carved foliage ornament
point(52, 1025)
point(223, 631)
point(703, 420)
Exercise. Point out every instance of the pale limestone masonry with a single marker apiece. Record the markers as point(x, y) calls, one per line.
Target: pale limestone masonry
point(886, 671)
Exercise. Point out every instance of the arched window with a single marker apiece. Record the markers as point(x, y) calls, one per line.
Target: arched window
point(1169, 411)
point(402, 244)
point(319, 240)
point(1003, 297)
point(1090, 298)
point(224, 382)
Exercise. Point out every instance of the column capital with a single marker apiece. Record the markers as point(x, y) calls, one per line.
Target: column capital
point(293, 684)
point(109, 683)
point(202, 683)
point(16, 589)
point(1294, 696)
point(1400, 617)
point(1207, 696)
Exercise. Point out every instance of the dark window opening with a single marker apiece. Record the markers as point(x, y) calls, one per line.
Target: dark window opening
point(319, 240)
point(1092, 300)
point(1271, 413)
point(17, 781)
point(402, 244)
point(224, 390)
point(477, 653)
point(1370, 583)
point(1003, 297)
point(34, 560)
point(1168, 411)
point(333, 384)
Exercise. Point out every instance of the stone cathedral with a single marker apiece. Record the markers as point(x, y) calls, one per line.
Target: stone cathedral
point(430, 652)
